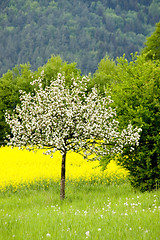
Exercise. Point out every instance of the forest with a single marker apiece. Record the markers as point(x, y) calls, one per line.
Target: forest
point(79, 31)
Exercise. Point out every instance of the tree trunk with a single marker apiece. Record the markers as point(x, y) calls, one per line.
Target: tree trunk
point(62, 191)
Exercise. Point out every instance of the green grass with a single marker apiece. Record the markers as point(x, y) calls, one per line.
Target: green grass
point(89, 212)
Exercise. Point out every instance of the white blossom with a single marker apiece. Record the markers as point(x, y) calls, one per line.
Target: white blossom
point(59, 118)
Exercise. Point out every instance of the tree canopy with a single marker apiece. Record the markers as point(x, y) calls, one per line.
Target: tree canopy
point(135, 89)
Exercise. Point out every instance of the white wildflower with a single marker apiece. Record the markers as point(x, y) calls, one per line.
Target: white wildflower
point(87, 233)
point(48, 235)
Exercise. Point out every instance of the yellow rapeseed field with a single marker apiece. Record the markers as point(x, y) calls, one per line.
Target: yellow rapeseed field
point(19, 167)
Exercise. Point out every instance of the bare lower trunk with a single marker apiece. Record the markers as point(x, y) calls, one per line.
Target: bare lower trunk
point(62, 191)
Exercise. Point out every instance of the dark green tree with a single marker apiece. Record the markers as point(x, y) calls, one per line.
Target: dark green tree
point(137, 97)
point(154, 11)
point(135, 89)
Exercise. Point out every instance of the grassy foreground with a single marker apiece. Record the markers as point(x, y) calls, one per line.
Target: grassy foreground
point(89, 211)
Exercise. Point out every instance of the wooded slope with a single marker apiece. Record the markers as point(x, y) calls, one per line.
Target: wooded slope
point(83, 31)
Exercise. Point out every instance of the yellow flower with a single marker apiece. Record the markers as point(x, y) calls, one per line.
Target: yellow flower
point(19, 167)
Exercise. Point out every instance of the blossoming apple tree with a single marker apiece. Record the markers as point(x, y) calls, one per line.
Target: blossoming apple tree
point(61, 118)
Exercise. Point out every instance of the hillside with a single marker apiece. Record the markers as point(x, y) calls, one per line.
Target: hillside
point(83, 31)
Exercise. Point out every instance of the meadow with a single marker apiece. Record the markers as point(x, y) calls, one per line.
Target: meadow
point(98, 205)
